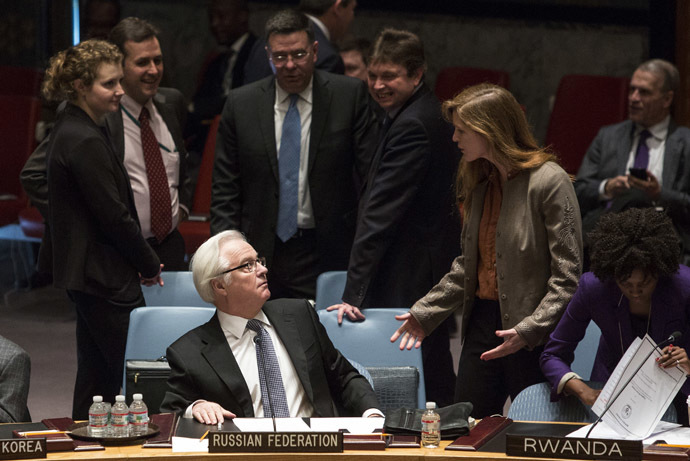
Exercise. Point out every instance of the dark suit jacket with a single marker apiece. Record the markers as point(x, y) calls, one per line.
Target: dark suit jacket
point(608, 156)
point(170, 104)
point(598, 302)
point(245, 174)
point(328, 58)
point(408, 229)
point(96, 242)
point(209, 98)
point(203, 366)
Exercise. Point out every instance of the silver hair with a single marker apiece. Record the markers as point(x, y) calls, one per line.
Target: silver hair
point(207, 263)
point(665, 69)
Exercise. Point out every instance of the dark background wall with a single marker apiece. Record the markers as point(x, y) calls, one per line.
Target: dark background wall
point(536, 41)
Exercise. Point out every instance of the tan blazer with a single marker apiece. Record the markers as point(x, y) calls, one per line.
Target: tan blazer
point(538, 256)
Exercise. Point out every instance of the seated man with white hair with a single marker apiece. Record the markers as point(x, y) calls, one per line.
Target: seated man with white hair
point(257, 358)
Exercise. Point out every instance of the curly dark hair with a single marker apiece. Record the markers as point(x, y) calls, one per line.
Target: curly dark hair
point(638, 238)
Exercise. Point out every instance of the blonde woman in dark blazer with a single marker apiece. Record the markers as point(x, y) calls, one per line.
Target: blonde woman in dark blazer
point(522, 251)
point(94, 247)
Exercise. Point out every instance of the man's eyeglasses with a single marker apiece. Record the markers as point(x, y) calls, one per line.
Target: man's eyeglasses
point(298, 56)
point(249, 266)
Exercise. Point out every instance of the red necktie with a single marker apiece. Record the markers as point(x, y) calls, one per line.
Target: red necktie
point(159, 190)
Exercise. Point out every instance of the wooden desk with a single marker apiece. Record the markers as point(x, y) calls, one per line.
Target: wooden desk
point(391, 454)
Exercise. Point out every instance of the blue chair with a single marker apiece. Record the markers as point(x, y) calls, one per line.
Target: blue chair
point(586, 351)
point(534, 404)
point(368, 342)
point(178, 290)
point(153, 329)
point(329, 289)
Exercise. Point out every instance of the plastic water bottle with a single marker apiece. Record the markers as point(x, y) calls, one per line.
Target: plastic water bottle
point(119, 418)
point(431, 427)
point(109, 427)
point(98, 417)
point(138, 416)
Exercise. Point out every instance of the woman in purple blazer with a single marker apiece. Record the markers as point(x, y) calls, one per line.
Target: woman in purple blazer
point(636, 287)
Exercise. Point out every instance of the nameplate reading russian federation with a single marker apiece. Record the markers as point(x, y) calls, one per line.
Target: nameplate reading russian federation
point(22, 448)
point(275, 442)
point(573, 448)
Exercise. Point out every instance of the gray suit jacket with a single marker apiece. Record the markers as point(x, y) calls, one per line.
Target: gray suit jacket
point(15, 371)
point(204, 367)
point(608, 156)
point(170, 104)
point(245, 172)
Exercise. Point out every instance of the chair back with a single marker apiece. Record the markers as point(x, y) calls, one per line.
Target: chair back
point(452, 80)
point(153, 329)
point(584, 104)
point(534, 404)
point(178, 290)
point(586, 352)
point(24, 81)
point(329, 289)
point(197, 230)
point(368, 342)
point(18, 120)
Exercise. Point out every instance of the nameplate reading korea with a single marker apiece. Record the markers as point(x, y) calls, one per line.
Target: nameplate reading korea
point(22, 448)
point(573, 448)
point(275, 442)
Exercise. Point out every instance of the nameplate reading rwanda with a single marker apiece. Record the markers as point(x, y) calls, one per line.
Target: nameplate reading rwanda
point(573, 448)
point(275, 442)
point(22, 448)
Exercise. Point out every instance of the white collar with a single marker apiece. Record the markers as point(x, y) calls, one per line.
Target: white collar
point(236, 325)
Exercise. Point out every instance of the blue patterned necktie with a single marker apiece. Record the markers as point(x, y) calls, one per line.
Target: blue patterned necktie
point(272, 391)
point(288, 169)
point(642, 155)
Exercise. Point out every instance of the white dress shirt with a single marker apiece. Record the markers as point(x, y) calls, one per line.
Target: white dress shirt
point(241, 342)
point(305, 213)
point(136, 167)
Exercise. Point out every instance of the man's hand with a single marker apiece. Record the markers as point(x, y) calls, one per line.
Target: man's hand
point(352, 312)
point(411, 331)
point(586, 394)
point(650, 186)
point(512, 342)
point(616, 186)
point(157, 280)
point(210, 413)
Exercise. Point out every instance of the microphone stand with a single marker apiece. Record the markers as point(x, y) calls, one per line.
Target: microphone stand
point(257, 341)
point(674, 337)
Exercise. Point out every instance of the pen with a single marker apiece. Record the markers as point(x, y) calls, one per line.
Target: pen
point(672, 445)
point(48, 432)
point(204, 436)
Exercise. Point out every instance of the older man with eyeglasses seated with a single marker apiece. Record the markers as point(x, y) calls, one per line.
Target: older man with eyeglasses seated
point(257, 358)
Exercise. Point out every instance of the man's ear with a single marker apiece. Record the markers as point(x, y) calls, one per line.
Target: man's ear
point(218, 286)
point(668, 99)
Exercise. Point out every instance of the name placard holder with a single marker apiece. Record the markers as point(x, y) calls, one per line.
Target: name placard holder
point(573, 448)
point(23, 448)
point(275, 442)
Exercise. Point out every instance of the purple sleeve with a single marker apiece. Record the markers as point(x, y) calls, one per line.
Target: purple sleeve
point(559, 351)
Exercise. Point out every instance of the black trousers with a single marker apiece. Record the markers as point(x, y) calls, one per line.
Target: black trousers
point(101, 338)
point(170, 251)
point(487, 384)
point(439, 377)
point(295, 266)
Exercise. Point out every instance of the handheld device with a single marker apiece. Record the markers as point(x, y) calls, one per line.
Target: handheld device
point(639, 173)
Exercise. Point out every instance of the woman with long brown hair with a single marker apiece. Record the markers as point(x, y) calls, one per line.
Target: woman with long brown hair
point(522, 251)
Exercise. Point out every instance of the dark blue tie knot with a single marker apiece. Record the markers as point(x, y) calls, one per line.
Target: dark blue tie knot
point(255, 325)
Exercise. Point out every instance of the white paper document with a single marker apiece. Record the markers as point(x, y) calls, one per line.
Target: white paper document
point(636, 411)
point(352, 425)
point(602, 431)
point(266, 425)
point(186, 445)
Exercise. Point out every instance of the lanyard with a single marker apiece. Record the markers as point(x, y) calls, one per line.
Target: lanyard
point(137, 123)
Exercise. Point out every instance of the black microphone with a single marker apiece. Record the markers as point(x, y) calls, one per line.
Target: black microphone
point(675, 336)
point(257, 341)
